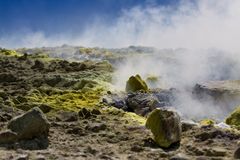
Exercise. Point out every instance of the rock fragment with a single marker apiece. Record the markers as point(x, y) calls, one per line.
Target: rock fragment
point(135, 83)
point(31, 124)
point(165, 126)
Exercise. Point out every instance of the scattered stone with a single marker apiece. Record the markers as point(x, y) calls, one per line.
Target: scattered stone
point(95, 112)
point(96, 127)
point(194, 150)
point(84, 113)
point(7, 77)
point(135, 83)
point(31, 124)
point(45, 108)
point(67, 116)
point(136, 148)
point(90, 150)
point(215, 152)
point(237, 153)
point(38, 65)
point(8, 137)
point(179, 156)
point(76, 130)
point(188, 125)
point(165, 126)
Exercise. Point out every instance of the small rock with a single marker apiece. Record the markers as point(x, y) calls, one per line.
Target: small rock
point(188, 125)
point(136, 148)
point(96, 127)
point(90, 150)
point(194, 150)
point(38, 65)
point(67, 116)
point(215, 152)
point(31, 124)
point(84, 113)
point(165, 126)
point(237, 153)
point(76, 130)
point(45, 108)
point(95, 112)
point(179, 156)
point(8, 137)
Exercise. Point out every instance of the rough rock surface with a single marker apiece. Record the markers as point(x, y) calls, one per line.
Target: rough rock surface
point(234, 118)
point(136, 83)
point(29, 125)
point(222, 93)
point(165, 126)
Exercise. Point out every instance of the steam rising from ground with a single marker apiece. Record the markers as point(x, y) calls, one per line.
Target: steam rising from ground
point(196, 25)
point(183, 69)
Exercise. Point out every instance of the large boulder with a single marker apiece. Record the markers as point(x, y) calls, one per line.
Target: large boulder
point(165, 126)
point(135, 83)
point(142, 103)
point(225, 94)
point(234, 118)
point(29, 125)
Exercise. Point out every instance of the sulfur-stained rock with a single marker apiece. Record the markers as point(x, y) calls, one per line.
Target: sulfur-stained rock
point(31, 124)
point(207, 122)
point(135, 83)
point(234, 118)
point(165, 126)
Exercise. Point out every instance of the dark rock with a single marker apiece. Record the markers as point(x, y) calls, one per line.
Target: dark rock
point(31, 124)
point(45, 108)
point(95, 112)
point(76, 130)
point(116, 100)
point(237, 153)
point(7, 77)
point(96, 127)
point(188, 125)
point(8, 137)
point(137, 148)
point(142, 103)
point(84, 113)
point(215, 152)
point(66, 116)
point(223, 93)
point(194, 150)
point(38, 65)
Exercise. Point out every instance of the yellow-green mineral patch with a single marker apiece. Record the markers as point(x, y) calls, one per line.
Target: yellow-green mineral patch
point(234, 118)
point(7, 52)
point(207, 122)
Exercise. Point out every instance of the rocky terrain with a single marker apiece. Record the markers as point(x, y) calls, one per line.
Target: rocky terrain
point(58, 103)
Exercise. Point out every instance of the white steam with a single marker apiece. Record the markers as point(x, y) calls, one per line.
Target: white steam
point(189, 24)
